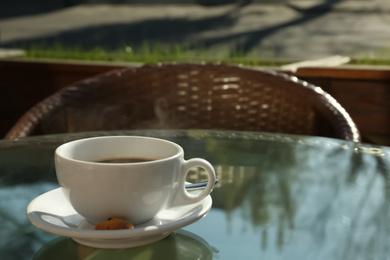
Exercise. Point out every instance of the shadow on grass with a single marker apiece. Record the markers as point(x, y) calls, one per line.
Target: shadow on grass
point(175, 31)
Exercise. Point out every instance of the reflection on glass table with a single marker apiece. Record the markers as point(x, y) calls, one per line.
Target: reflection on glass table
point(180, 244)
point(278, 197)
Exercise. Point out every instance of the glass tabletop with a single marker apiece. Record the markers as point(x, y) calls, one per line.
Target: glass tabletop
point(278, 197)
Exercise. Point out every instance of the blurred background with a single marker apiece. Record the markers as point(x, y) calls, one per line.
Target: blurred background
point(343, 46)
point(255, 32)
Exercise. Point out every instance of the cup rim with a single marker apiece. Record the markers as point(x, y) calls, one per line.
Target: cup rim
point(62, 146)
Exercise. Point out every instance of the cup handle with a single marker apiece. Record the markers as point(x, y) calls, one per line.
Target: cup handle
point(183, 197)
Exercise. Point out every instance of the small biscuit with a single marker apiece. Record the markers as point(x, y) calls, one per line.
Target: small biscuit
point(114, 223)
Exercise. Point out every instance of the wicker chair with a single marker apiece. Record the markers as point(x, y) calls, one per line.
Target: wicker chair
point(189, 96)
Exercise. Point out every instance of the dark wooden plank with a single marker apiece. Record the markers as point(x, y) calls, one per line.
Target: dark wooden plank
point(347, 72)
point(25, 83)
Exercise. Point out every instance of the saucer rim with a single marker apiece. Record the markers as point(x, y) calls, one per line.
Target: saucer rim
point(34, 218)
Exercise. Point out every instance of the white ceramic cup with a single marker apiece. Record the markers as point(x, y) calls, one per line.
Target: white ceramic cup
point(134, 191)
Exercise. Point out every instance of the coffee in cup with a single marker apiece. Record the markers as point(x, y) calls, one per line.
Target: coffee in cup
point(131, 177)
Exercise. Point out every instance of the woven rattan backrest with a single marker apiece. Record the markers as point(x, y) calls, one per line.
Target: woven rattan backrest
point(189, 96)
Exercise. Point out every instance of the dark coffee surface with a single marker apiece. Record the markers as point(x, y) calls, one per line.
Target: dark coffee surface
point(125, 160)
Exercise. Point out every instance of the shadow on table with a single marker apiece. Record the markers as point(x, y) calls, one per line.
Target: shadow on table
point(180, 244)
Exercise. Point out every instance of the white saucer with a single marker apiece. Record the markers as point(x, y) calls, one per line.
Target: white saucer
point(53, 213)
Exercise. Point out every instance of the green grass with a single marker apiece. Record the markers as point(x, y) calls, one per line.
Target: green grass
point(370, 61)
point(380, 56)
point(161, 52)
point(148, 53)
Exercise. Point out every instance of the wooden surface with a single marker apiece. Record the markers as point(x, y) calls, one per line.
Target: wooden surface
point(363, 91)
point(375, 73)
point(23, 84)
